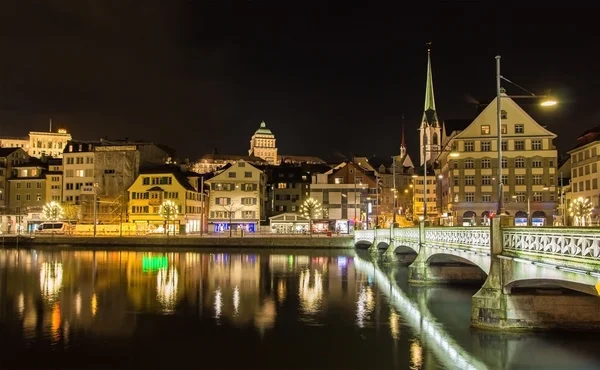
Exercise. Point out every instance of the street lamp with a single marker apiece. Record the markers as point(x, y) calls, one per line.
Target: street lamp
point(547, 102)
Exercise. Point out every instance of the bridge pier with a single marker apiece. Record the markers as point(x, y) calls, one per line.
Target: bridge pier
point(498, 307)
point(373, 249)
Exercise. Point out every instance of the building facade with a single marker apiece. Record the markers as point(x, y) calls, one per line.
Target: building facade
point(50, 143)
point(262, 145)
point(15, 142)
point(528, 169)
point(237, 198)
point(9, 158)
point(347, 193)
point(78, 170)
point(28, 194)
point(585, 164)
point(152, 188)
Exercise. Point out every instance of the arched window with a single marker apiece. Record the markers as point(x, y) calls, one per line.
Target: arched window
point(435, 139)
point(424, 138)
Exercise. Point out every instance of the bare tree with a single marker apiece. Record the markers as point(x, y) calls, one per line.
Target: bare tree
point(231, 209)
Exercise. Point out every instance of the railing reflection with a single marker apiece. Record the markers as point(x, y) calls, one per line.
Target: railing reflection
point(442, 344)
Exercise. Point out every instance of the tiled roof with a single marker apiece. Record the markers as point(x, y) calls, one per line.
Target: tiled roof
point(7, 151)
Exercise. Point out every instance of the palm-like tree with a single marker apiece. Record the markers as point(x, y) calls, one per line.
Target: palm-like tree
point(311, 209)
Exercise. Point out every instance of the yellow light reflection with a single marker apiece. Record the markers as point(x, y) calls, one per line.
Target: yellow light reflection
point(416, 355)
point(310, 297)
point(55, 322)
point(218, 303)
point(51, 278)
point(166, 288)
point(236, 301)
point(364, 306)
point(265, 316)
point(94, 304)
point(394, 324)
point(281, 291)
point(78, 304)
point(21, 304)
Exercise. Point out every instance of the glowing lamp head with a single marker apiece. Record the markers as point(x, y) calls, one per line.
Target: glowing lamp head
point(548, 102)
point(454, 154)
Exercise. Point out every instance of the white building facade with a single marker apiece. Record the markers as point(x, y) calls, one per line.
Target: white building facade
point(237, 199)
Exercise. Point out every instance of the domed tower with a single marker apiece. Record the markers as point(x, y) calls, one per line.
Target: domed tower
point(431, 129)
point(262, 144)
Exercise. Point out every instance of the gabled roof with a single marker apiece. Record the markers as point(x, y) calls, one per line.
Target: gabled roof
point(180, 176)
point(455, 125)
point(4, 152)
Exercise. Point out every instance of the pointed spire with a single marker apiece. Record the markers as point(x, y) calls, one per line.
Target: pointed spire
point(403, 144)
point(429, 113)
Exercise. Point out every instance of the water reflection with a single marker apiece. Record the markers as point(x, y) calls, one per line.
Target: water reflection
point(394, 324)
point(166, 288)
point(310, 291)
point(364, 306)
point(416, 355)
point(332, 306)
point(51, 278)
point(218, 303)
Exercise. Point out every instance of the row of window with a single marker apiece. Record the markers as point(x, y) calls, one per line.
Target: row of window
point(231, 187)
point(247, 175)
point(28, 184)
point(585, 186)
point(77, 185)
point(80, 160)
point(585, 170)
point(486, 146)
point(584, 154)
point(519, 180)
point(38, 197)
point(517, 197)
point(520, 162)
point(221, 201)
point(233, 214)
point(519, 128)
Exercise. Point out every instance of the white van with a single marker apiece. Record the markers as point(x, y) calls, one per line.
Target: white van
point(53, 228)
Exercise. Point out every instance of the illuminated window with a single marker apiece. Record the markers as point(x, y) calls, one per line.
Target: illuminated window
point(485, 129)
point(519, 128)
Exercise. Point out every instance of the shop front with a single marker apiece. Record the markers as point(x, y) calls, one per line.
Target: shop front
point(288, 223)
point(247, 227)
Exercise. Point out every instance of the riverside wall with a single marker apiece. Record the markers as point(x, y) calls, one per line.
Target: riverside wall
point(256, 242)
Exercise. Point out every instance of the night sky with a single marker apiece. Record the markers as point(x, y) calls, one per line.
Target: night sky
point(198, 75)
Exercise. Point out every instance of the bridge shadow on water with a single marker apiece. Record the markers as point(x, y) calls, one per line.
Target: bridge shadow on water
point(441, 316)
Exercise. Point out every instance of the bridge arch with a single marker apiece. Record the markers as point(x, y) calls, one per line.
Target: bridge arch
point(449, 257)
point(362, 244)
point(382, 245)
point(580, 287)
point(405, 248)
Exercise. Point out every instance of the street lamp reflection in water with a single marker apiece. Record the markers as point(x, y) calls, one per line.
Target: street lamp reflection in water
point(364, 306)
point(310, 297)
point(166, 288)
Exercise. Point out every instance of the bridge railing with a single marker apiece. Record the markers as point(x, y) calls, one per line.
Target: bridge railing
point(407, 233)
point(366, 235)
point(460, 237)
point(580, 243)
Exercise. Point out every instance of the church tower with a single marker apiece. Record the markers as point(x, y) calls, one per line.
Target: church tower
point(431, 129)
point(402, 145)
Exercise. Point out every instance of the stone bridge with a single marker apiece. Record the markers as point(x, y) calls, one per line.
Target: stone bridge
point(532, 278)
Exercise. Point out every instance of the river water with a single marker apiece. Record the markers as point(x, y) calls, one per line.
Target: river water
point(84, 309)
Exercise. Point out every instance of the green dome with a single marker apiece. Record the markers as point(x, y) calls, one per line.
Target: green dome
point(263, 129)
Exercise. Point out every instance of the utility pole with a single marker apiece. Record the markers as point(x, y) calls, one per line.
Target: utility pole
point(202, 205)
